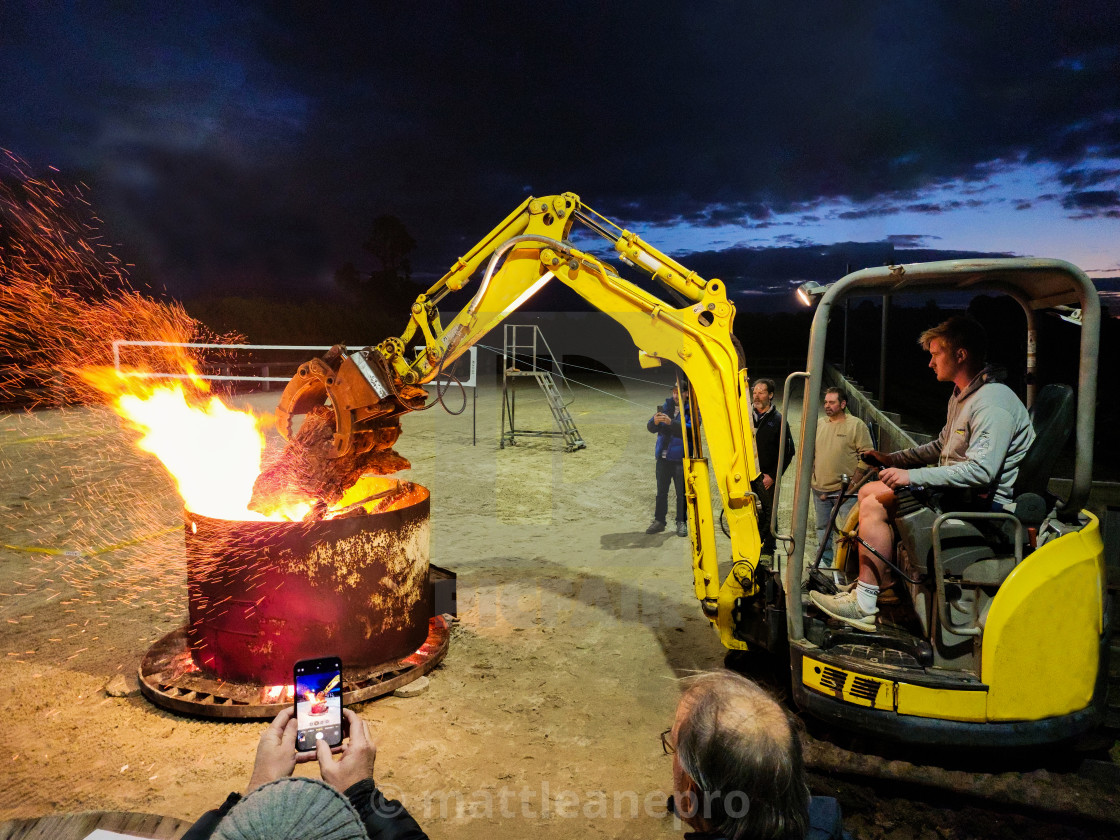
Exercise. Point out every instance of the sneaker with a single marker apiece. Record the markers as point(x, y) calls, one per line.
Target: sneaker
point(844, 607)
point(682, 529)
point(655, 527)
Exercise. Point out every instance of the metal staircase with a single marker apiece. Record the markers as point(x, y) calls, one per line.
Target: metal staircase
point(520, 351)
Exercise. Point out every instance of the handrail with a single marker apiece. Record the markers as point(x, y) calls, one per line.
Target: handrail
point(797, 374)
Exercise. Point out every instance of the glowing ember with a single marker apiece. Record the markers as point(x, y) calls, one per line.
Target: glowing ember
point(64, 297)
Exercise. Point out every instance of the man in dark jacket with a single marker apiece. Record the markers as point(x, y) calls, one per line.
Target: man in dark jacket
point(669, 454)
point(767, 432)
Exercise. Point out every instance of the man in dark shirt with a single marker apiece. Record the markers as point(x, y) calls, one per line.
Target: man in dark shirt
point(669, 454)
point(767, 437)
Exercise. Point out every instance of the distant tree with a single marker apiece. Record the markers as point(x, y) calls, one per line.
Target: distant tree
point(348, 276)
point(389, 284)
point(391, 243)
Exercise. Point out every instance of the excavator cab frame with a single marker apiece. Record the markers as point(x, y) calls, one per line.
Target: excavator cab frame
point(1048, 682)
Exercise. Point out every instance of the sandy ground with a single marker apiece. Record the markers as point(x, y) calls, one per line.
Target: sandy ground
point(574, 626)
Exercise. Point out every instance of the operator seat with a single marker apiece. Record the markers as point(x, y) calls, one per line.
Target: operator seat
point(966, 543)
point(1052, 415)
point(977, 554)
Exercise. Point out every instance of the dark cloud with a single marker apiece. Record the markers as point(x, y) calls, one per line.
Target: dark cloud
point(923, 207)
point(976, 189)
point(910, 240)
point(869, 212)
point(746, 214)
point(1093, 202)
point(302, 123)
point(781, 269)
point(944, 206)
point(1082, 178)
point(787, 239)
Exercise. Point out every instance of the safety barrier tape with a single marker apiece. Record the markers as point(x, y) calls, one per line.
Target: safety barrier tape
point(73, 552)
point(13, 441)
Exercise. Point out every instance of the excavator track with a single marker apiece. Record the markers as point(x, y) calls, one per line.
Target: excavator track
point(891, 798)
point(1112, 715)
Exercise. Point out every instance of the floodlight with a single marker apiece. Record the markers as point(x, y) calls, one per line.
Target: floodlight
point(809, 291)
point(1069, 314)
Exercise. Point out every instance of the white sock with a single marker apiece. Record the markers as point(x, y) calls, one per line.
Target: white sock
point(867, 595)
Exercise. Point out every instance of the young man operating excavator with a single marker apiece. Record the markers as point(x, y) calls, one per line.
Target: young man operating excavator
point(986, 434)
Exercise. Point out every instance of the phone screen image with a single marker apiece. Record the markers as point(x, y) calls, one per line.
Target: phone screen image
point(318, 690)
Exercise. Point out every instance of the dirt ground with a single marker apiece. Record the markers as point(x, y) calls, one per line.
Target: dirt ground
point(574, 626)
point(542, 721)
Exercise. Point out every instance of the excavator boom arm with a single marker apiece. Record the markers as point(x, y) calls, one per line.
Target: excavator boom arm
point(527, 250)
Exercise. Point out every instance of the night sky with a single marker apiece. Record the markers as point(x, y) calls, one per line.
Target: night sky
point(247, 148)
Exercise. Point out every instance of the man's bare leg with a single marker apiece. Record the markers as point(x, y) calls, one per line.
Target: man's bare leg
point(876, 504)
point(858, 607)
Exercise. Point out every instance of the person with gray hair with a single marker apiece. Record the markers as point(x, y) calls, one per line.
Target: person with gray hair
point(345, 805)
point(738, 772)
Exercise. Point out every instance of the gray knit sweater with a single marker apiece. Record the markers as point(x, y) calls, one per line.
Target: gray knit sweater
point(987, 432)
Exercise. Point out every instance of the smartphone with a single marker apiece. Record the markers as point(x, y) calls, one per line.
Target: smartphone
point(318, 684)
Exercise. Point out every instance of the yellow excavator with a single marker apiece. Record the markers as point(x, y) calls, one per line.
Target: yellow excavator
point(987, 659)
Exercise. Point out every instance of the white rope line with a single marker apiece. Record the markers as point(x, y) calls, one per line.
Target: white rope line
point(584, 384)
point(607, 393)
point(569, 364)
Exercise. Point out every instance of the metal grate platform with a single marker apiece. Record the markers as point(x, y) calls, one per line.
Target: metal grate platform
point(170, 678)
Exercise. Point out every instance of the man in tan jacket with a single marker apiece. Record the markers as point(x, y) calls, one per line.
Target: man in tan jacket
point(841, 439)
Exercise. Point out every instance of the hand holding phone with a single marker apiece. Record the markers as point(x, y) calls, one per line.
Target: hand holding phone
point(318, 702)
point(356, 759)
point(275, 751)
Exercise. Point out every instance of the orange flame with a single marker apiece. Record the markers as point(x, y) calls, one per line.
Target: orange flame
point(211, 450)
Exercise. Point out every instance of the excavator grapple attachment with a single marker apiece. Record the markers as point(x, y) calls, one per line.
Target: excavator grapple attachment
point(361, 391)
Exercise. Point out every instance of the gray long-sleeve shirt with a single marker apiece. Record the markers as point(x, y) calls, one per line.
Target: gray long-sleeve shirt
point(987, 432)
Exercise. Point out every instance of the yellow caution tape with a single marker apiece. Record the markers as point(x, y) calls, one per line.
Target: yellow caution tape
point(72, 552)
point(47, 438)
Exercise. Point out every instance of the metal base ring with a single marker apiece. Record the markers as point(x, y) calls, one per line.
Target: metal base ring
point(169, 678)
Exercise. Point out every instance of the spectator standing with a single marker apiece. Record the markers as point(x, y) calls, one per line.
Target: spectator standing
point(841, 439)
point(767, 436)
point(668, 452)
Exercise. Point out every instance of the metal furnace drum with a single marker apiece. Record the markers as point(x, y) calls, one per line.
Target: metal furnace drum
point(263, 595)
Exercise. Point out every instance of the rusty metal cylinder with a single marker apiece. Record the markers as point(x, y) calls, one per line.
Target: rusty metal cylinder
point(263, 595)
